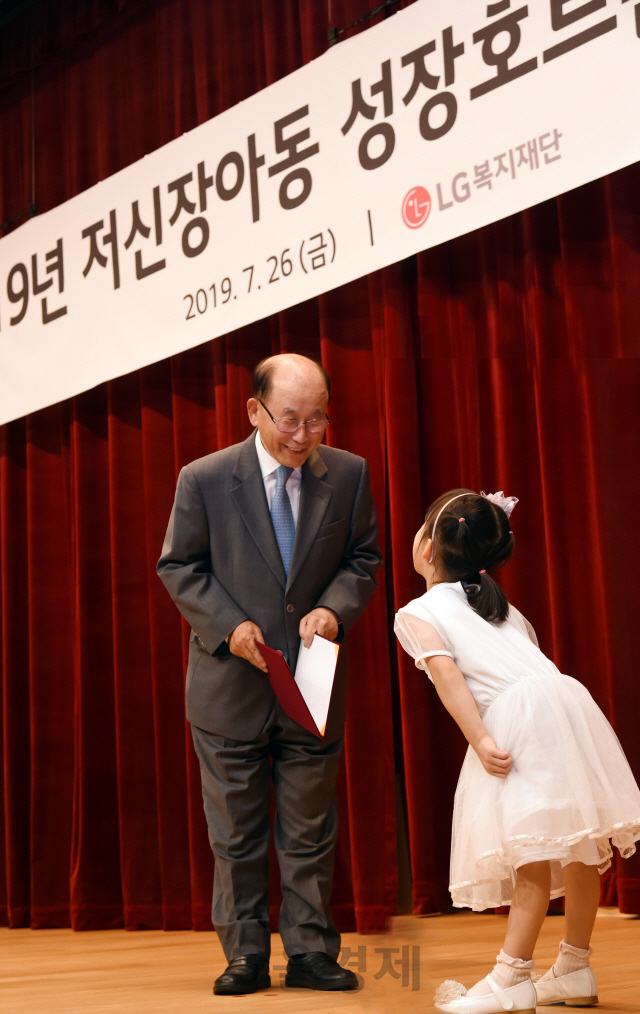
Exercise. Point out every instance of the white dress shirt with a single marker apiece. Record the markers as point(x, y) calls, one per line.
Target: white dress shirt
point(268, 465)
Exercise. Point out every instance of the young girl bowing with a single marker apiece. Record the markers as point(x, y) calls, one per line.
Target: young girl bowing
point(545, 787)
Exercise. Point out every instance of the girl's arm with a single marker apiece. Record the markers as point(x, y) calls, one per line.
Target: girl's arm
point(458, 700)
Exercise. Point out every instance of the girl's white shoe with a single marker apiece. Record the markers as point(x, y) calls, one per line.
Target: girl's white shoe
point(577, 989)
point(451, 998)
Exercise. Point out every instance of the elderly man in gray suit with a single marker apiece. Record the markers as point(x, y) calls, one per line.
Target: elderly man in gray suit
point(271, 540)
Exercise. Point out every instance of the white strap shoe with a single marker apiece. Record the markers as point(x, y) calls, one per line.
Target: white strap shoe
point(577, 989)
point(451, 998)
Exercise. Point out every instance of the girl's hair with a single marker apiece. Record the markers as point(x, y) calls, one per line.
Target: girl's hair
point(473, 534)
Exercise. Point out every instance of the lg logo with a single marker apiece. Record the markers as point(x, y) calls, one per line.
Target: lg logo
point(416, 207)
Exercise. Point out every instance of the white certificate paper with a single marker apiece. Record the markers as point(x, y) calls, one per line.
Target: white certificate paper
point(315, 671)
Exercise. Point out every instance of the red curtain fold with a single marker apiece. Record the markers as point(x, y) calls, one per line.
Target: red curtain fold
point(507, 358)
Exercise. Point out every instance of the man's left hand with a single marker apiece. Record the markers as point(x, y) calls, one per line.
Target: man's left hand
point(319, 621)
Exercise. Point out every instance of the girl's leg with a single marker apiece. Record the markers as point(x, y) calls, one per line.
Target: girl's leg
point(582, 896)
point(528, 909)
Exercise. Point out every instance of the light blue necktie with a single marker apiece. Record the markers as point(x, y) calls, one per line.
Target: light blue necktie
point(282, 516)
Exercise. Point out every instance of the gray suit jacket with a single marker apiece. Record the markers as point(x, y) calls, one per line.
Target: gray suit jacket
point(221, 565)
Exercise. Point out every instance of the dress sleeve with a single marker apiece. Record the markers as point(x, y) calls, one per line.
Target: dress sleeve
point(523, 623)
point(419, 639)
point(531, 632)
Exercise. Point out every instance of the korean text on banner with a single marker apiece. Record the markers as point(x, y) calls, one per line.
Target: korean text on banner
point(442, 119)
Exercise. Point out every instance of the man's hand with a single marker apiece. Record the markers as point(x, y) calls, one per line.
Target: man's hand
point(243, 644)
point(495, 762)
point(319, 621)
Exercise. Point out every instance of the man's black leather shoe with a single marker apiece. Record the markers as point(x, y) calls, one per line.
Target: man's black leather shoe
point(246, 974)
point(316, 970)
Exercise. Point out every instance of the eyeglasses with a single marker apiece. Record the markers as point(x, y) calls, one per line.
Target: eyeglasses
point(288, 424)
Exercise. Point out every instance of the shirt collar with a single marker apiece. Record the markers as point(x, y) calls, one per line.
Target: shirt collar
point(267, 462)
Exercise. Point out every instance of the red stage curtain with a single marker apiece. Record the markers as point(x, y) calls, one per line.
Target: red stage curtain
point(506, 359)
point(102, 815)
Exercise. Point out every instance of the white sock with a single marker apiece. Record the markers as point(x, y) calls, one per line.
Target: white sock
point(507, 972)
point(570, 959)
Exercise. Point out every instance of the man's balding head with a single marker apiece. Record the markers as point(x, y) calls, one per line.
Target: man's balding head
point(292, 364)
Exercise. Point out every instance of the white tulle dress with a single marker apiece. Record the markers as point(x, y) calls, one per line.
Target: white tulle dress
point(570, 793)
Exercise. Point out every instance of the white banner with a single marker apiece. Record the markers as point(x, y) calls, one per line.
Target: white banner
point(442, 119)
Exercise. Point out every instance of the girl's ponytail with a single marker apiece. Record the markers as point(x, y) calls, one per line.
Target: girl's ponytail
point(487, 598)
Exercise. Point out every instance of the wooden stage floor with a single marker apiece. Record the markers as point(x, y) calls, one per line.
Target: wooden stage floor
point(112, 971)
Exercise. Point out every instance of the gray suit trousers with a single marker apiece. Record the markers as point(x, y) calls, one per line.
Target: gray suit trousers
point(236, 780)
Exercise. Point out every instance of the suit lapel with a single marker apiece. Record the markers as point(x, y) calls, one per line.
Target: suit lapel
point(251, 500)
point(314, 500)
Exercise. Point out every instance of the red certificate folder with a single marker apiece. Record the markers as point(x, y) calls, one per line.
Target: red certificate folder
point(286, 689)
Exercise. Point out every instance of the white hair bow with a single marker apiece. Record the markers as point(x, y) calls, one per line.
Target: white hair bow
point(500, 500)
